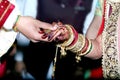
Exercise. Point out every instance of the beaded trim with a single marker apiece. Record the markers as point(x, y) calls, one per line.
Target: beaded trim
point(110, 59)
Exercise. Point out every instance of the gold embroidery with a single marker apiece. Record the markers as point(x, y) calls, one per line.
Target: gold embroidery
point(110, 61)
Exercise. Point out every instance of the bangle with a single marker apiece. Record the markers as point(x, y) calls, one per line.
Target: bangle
point(15, 27)
point(88, 49)
point(75, 37)
point(71, 34)
point(85, 46)
point(68, 41)
point(78, 45)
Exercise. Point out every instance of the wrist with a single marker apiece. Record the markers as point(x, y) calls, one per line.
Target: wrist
point(71, 37)
point(70, 41)
point(76, 43)
point(16, 22)
point(9, 15)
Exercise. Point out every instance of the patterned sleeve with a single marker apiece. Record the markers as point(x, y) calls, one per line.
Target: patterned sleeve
point(8, 16)
point(99, 8)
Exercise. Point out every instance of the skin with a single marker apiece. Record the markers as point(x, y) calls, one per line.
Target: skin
point(91, 34)
point(31, 28)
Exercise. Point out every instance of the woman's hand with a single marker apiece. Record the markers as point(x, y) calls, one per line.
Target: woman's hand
point(33, 28)
point(60, 34)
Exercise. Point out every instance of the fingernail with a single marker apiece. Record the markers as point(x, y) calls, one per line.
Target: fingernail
point(50, 37)
point(44, 36)
point(41, 32)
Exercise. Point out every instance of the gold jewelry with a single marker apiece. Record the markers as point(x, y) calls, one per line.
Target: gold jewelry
point(67, 42)
point(78, 45)
point(15, 27)
point(79, 53)
point(71, 34)
point(88, 49)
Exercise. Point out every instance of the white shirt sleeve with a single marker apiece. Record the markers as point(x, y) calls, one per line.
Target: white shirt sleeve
point(8, 37)
point(6, 40)
point(9, 23)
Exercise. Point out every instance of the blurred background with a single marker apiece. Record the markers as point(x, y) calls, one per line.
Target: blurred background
point(34, 61)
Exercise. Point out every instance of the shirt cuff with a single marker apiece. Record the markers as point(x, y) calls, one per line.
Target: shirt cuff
point(10, 21)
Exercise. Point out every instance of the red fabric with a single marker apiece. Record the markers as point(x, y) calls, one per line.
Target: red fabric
point(5, 13)
point(103, 20)
point(76, 37)
point(5, 4)
point(101, 27)
point(2, 68)
point(96, 73)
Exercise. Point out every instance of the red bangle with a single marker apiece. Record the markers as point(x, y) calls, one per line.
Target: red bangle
point(15, 27)
point(75, 37)
point(85, 46)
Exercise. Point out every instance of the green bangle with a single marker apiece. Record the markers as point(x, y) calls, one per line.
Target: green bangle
point(87, 74)
point(15, 27)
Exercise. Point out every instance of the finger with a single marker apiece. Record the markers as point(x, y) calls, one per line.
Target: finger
point(51, 34)
point(55, 35)
point(47, 31)
point(44, 36)
point(45, 25)
point(38, 36)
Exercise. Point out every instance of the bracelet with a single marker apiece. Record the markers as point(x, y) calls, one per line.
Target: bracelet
point(85, 46)
point(76, 35)
point(15, 27)
point(78, 45)
point(88, 49)
point(70, 40)
point(80, 53)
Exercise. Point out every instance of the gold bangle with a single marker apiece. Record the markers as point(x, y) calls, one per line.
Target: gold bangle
point(67, 42)
point(71, 38)
point(79, 54)
point(88, 49)
point(78, 45)
point(15, 27)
